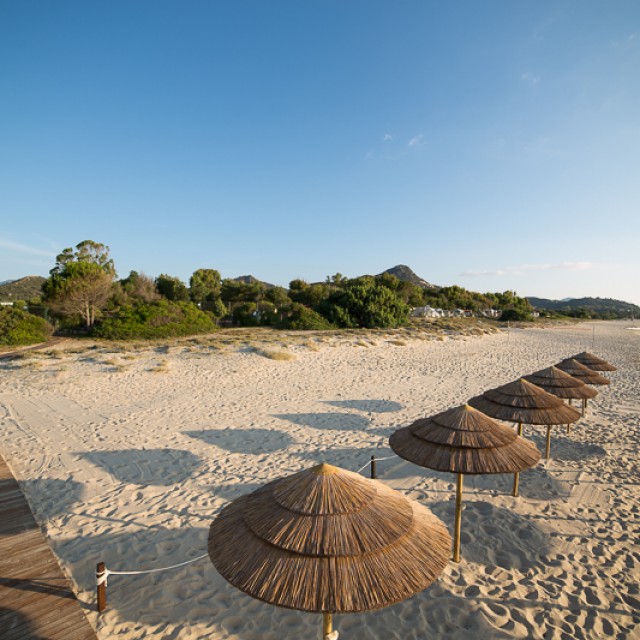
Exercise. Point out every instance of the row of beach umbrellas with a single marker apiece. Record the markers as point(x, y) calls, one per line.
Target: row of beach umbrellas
point(327, 540)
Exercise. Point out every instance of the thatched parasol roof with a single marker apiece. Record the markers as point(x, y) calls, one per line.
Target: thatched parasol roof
point(524, 402)
point(464, 440)
point(561, 384)
point(593, 362)
point(578, 370)
point(328, 540)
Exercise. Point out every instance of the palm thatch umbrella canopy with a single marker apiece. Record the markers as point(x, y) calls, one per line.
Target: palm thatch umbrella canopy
point(327, 540)
point(582, 372)
point(463, 440)
point(561, 384)
point(525, 403)
point(593, 362)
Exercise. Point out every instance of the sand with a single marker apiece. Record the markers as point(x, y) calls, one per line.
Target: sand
point(126, 455)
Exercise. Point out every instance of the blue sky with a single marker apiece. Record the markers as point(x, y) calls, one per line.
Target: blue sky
point(494, 144)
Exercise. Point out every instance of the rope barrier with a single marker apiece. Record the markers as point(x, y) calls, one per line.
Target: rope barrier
point(101, 576)
point(103, 573)
point(375, 460)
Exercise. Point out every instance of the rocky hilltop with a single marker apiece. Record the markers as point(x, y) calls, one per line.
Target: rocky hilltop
point(402, 272)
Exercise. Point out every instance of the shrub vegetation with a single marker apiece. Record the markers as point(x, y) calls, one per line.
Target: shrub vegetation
point(364, 303)
point(160, 319)
point(18, 327)
point(299, 317)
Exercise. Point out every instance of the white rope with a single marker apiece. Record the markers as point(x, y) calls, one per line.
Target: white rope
point(375, 460)
point(101, 578)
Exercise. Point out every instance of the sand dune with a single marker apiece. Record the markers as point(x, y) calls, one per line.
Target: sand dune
point(126, 456)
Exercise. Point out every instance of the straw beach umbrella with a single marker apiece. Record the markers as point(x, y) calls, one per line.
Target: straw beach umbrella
point(525, 403)
point(563, 385)
point(593, 362)
point(582, 372)
point(463, 440)
point(326, 540)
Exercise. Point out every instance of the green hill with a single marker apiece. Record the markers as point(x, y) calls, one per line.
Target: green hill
point(23, 289)
point(588, 307)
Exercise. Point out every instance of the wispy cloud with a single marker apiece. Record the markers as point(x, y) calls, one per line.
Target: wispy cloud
point(416, 141)
point(387, 137)
point(530, 78)
point(626, 43)
point(18, 247)
point(527, 268)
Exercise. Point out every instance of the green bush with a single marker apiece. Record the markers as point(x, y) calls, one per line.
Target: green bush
point(159, 319)
point(18, 327)
point(365, 304)
point(216, 308)
point(299, 317)
point(244, 315)
point(514, 315)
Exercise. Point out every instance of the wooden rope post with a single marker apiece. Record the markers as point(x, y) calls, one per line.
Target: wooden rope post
point(373, 467)
point(101, 588)
point(327, 624)
point(547, 449)
point(458, 521)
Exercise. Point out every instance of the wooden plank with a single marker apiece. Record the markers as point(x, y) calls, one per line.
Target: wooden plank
point(35, 596)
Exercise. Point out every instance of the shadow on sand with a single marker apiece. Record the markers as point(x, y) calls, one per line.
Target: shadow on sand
point(369, 406)
point(331, 421)
point(562, 446)
point(252, 441)
point(162, 467)
point(494, 535)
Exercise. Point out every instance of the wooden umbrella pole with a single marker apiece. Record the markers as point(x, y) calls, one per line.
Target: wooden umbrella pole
point(548, 445)
point(568, 429)
point(516, 482)
point(456, 530)
point(327, 624)
point(516, 476)
point(584, 407)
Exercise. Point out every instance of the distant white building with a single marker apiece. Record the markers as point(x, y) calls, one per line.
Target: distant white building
point(426, 312)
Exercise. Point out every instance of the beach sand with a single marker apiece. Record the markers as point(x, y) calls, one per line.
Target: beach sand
point(126, 455)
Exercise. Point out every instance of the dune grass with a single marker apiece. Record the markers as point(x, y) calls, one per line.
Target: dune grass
point(275, 355)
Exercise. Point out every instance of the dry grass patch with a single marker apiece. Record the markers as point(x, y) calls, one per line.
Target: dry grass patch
point(275, 355)
point(398, 343)
point(31, 364)
point(160, 367)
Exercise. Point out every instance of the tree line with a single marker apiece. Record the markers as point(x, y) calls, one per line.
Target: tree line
point(84, 293)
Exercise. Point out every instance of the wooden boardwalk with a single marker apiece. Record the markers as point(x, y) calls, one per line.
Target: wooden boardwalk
point(36, 600)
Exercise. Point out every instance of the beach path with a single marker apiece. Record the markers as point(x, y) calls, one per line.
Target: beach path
point(36, 600)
